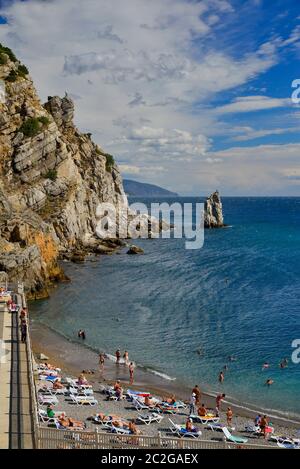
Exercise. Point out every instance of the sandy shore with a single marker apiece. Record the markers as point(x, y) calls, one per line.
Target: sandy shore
point(73, 357)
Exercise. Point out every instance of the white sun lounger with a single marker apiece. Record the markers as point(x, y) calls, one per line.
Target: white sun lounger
point(204, 420)
point(44, 417)
point(139, 405)
point(45, 400)
point(182, 432)
point(120, 431)
point(83, 400)
point(233, 438)
point(147, 419)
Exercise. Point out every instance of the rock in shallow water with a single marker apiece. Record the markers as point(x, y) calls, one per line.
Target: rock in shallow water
point(135, 250)
point(213, 212)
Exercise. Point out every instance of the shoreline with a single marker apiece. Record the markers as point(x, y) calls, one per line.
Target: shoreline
point(75, 357)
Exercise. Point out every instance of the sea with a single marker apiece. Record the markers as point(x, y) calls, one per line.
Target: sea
point(182, 313)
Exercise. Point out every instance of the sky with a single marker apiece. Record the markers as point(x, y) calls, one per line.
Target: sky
point(192, 95)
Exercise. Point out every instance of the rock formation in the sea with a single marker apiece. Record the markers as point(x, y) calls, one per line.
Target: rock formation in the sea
point(52, 178)
point(135, 250)
point(213, 212)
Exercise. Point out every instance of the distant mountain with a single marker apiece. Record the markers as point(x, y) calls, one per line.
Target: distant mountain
point(141, 189)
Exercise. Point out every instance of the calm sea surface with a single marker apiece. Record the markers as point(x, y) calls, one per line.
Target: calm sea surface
point(239, 295)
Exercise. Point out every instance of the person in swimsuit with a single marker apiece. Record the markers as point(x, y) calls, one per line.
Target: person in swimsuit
point(118, 356)
point(269, 382)
point(126, 358)
point(202, 411)
point(219, 399)
point(229, 415)
point(221, 377)
point(197, 393)
point(263, 426)
point(131, 372)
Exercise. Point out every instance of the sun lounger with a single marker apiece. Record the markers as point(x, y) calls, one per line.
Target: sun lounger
point(288, 444)
point(80, 391)
point(83, 400)
point(44, 417)
point(147, 419)
point(206, 419)
point(215, 426)
point(233, 438)
point(48, 378)
point(136, 394)
point(45, 400)
point(139, 405)
point(167, 408)
point(181, 431)
point(120, 431)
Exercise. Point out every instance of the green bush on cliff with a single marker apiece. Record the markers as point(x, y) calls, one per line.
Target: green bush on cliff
point(13, 75)
point(9, 52)
point(51, 174)
point(44, 120)
point(109, 162)
point(22, 71)
point(3, 59)
point(32, 126)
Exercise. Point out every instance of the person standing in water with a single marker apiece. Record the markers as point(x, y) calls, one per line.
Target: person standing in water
point(221, 377)
point(101, 361)
point(131, 372)
point(118, 356)
point(126, 358)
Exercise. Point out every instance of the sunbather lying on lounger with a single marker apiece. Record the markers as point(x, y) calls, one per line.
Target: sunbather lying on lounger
point(52, 414)
point(106, 418)
point(150, 402)
point(133, 428)
point(82, 380)
point(70, 423)
point(169, 400)
point(190, 427)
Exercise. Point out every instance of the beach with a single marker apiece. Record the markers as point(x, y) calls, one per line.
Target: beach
point(73, 358)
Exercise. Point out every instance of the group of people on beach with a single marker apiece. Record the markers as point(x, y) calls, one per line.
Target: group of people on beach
point(126, 362)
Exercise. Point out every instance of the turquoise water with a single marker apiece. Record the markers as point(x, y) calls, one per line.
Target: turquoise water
point(238, 295)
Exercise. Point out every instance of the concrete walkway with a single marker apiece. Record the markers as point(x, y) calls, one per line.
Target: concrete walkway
point(16, 430)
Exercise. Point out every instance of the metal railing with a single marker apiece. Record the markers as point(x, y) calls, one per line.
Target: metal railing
point(51, 438)
point(33, 390)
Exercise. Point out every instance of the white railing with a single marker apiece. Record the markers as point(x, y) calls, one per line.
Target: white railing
point(51, 438)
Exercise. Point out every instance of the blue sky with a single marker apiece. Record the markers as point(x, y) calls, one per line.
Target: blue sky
point(191, 95)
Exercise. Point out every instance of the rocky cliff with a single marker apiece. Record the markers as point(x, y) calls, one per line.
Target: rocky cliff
point(213, 212)
point(52, 178)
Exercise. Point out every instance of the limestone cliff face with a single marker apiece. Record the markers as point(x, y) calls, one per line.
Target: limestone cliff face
point(52, 178)
point(213, 212)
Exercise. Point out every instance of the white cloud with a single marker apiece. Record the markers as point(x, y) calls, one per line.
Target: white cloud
point(253, 103)
point(145, 72)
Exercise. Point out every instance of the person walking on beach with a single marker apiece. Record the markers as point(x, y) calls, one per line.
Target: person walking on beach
point(197, 393)
point(221, 377)
point(101, 361)
point(118, 356)
point(229, 415)
point(23, 331)
point(263, 426)
point(219, 399)
point(126, 358)
point(193, 404)
point(131, 372)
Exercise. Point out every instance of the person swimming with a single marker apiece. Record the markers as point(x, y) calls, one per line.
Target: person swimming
point(269, 382)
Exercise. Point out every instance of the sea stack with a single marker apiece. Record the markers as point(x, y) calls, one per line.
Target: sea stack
point(213, 214)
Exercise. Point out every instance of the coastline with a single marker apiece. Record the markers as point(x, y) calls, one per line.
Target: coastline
point(75, 357)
